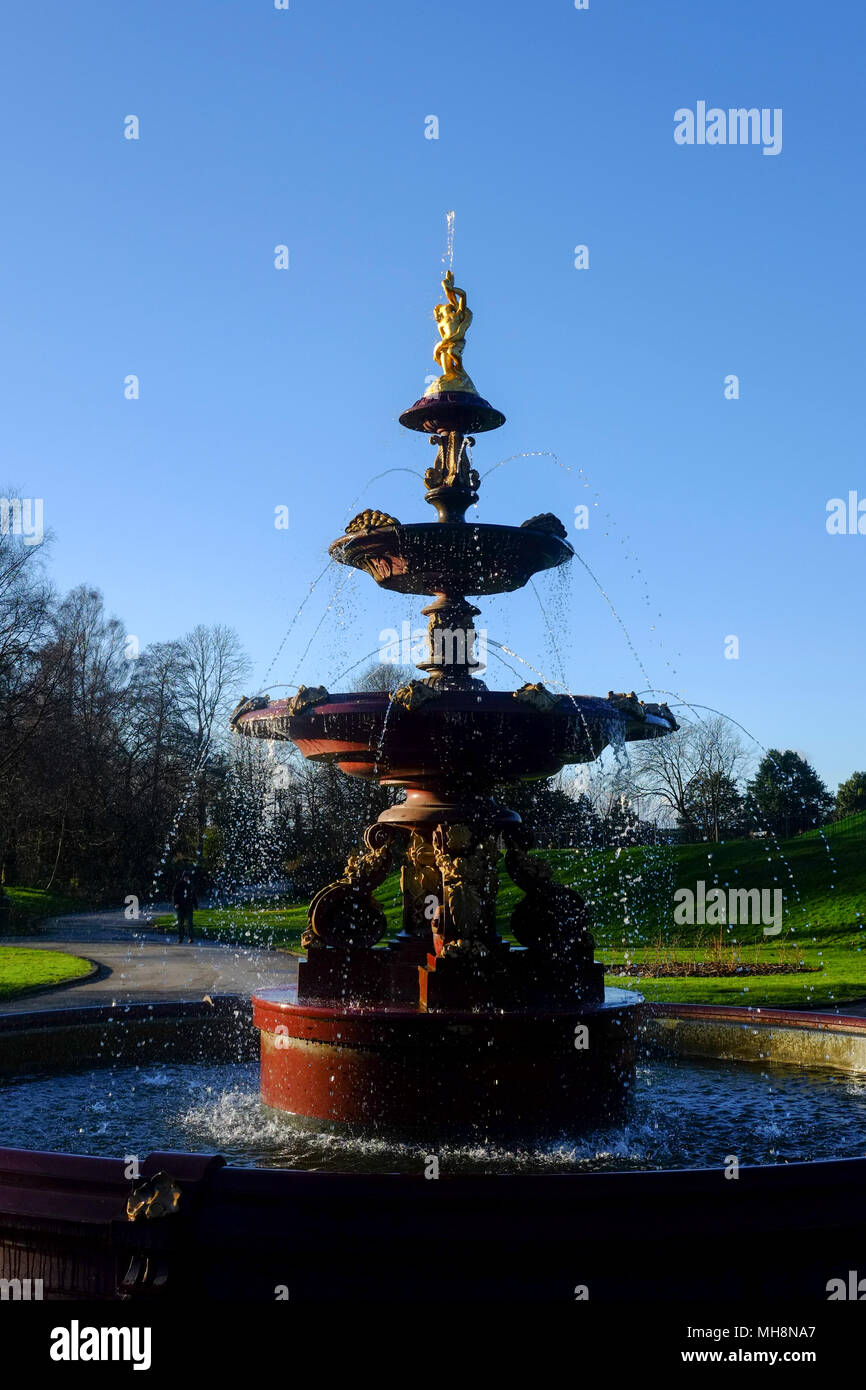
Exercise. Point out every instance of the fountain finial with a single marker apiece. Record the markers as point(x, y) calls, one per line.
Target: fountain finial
point(452, 319)
point(450, 403)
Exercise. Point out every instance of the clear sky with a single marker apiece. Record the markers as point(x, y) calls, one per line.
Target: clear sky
point(262, 387)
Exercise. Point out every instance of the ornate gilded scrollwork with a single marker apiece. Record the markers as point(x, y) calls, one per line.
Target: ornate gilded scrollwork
point(537, 697)
point(245, 704)
point(546, 521)
point(467, 863)
point(626, 704)
point(370, 520)
point(414, 694)
point(345, 914)
point(663, 713)
point(420, 880)
point(452, 467)
point(307, 696)
point(636, 709)
point(157, 1196)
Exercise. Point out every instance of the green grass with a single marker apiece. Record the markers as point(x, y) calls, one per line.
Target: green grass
point(23, 968)
point(246, 926)
point(822, 875)
point(30, 906)
point(280, 926)
point(630, 896)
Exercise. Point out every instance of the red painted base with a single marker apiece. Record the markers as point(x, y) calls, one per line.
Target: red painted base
point(393, 1069)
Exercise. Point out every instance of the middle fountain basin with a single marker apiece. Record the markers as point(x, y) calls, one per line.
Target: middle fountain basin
point(455, 733)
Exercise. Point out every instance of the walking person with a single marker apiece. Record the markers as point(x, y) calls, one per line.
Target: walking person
point(185, 903)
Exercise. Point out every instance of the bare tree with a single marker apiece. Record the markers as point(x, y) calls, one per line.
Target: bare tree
point(26, 600)
point(384, 676)
point(212, 668)
point(694, 772)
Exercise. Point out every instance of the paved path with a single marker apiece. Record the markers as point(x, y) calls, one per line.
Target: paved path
point(143, 964)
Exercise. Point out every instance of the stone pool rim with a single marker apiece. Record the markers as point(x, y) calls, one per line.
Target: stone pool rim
point(35, 1038)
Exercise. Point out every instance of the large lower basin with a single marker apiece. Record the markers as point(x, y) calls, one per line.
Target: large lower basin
point(646, 1209)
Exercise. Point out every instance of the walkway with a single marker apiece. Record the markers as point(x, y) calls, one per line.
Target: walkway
point(139, 963)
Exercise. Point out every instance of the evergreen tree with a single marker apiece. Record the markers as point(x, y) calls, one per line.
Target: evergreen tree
point(851, 795)
point(787, 795)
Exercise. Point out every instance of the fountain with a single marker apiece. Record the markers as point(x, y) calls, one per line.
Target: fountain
point(448, 1025)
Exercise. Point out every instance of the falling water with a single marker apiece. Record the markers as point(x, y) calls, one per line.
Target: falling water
point(448, 258)
point(297, 615)
point(610, 521)
point(350, 510)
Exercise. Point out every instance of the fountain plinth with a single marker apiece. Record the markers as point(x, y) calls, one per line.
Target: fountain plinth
point(447, 1025)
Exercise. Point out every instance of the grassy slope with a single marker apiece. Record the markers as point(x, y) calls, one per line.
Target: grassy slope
point(822, 875)
point(22, 968)
point(630, 898)
point(32, 905)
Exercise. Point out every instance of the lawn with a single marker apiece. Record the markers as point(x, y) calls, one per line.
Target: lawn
point(23, 968)
point(822, 876)
point(30, 906)
point(279, 926)
point(630, 896)
point(247, 926)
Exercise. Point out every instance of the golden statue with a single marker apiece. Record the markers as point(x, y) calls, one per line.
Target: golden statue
point(452, 319)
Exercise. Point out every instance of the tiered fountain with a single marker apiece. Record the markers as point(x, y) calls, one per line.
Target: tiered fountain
point(447, 1025)
point(445, 1028)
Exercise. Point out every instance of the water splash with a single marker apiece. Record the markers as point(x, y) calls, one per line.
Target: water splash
point(528, 454)
point(682, 1116)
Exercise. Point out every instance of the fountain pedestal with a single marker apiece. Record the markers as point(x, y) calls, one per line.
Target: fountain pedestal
point(452, 1072)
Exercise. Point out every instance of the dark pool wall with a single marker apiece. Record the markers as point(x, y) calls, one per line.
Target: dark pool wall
point(245, 1234)
point(48, 1039)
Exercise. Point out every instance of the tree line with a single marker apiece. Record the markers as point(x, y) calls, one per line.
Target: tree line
point(705, 781)
point(105, 757)
point(116, 768)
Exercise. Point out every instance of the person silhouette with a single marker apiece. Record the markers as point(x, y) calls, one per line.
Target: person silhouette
point(185, 903)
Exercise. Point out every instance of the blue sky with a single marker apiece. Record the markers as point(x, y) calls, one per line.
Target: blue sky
point(261, 387)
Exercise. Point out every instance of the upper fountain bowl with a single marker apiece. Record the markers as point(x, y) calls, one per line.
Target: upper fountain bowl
point(432, 557)
point(444, 411)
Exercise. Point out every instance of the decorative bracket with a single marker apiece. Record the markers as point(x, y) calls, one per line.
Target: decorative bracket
point(344, 914)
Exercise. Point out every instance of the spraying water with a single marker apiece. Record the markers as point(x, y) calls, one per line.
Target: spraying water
point(448, 258)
